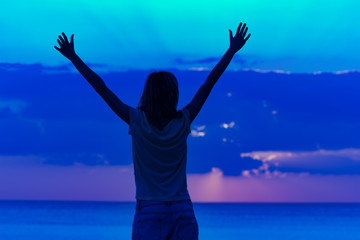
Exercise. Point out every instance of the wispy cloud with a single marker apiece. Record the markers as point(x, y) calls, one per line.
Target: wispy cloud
point(15, 106)
point(199, 69)
point(195, 133)
point(34, 67)
point(198, 131)
point(266, 71)
point(38, 67)
point(210, 60)
point(344, 161)
point(342, 72)
point(228, 125)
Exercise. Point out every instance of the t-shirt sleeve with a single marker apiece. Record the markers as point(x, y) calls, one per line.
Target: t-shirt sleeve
point(133, 115)
point(187, 119)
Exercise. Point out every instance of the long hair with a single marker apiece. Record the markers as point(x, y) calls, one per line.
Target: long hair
point(160, 96)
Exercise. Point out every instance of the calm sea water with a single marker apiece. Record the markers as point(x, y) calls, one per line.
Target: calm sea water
point(40, 220)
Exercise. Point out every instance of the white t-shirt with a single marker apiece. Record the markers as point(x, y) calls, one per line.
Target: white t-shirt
point(160, 157)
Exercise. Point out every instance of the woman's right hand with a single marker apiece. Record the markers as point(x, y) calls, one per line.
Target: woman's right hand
point(66, 47)
point(239, 40)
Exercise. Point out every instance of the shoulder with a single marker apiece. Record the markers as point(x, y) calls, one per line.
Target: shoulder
point(135, 114)
point(185, 111)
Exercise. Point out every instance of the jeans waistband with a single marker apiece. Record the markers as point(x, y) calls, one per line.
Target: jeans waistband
point(147, 203)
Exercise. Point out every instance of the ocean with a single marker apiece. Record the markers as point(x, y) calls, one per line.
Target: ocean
point(57, 220)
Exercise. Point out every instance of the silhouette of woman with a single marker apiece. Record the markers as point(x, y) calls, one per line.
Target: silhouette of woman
point(159, 134)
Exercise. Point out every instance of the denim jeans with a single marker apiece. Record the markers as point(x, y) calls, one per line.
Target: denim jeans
point(165, 220)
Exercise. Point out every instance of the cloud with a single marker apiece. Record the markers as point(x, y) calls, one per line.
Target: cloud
point(35, 67)
point(38, 67)
point(210, 60)
point(347, 72)
point(60, 117)
point(15, 106)
point(337, 162)
point(228, 125)
point(199, 69)
point(195, 133)
point(266, 71)
point(342, 72)
point(198, 131)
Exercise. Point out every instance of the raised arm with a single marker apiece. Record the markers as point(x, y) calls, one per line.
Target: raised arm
point(236, 43)
point(67, 49)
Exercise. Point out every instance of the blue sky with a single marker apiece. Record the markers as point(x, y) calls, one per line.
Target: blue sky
point(301, 36)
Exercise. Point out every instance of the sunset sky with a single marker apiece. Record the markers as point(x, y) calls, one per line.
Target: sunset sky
point(296, 36)
point(281, 125)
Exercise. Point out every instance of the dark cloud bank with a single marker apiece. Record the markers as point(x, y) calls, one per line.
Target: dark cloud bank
point(53, 112)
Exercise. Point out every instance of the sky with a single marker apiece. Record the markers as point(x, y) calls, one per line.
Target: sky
point(297, 36)
point(281, 125)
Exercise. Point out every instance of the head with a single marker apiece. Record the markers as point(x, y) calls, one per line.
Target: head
point(160, 96)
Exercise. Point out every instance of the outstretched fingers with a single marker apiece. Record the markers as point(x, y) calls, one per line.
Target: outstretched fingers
point(61, 39)
point(244, 33)
point(59, 42)
point(242, 30)
point(238, 29)
point(66, 39)
point(72, 40)
point(240, 38)
point(231, 34)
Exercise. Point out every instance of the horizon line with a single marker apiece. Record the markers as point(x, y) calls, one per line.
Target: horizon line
point(205, 202)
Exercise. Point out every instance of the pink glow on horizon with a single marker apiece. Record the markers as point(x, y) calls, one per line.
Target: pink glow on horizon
point(116, 183)
point(276, 188)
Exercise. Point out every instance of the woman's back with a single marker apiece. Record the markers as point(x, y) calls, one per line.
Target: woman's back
point(161, 122)
point(160, 156)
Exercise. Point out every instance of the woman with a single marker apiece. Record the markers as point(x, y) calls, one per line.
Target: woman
point(159, 133)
